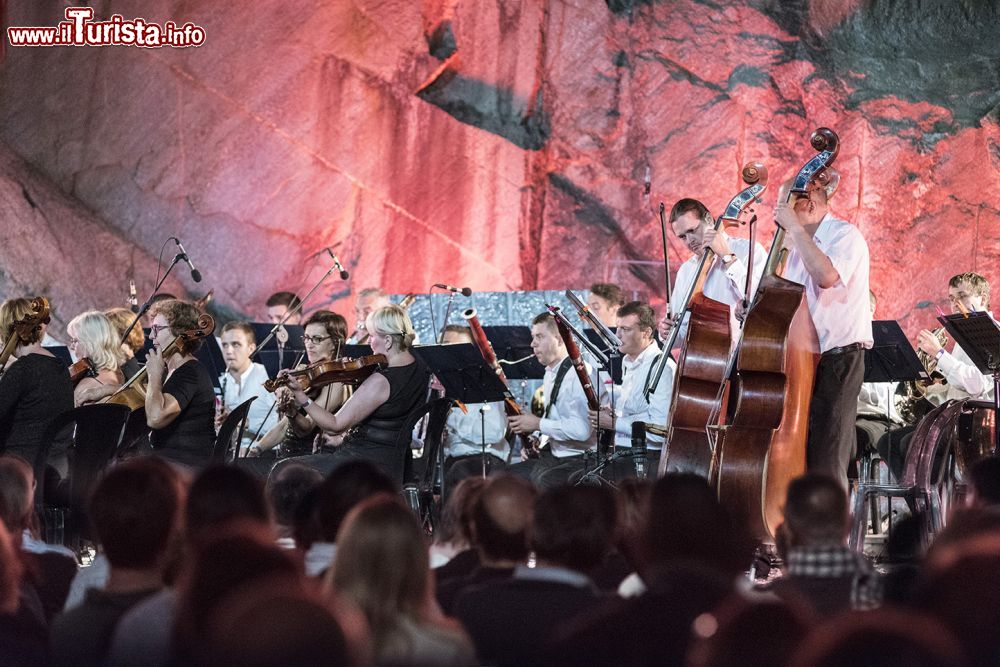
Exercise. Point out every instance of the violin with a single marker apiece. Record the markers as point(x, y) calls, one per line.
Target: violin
point(133, 393)
point(83, 368)
point(25, 329)
point(346, 370)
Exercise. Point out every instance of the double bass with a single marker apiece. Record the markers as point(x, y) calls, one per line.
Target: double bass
point(762, 443)
point(704, 355)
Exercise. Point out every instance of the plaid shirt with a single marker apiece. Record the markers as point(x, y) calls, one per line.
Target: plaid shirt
point(835, 561)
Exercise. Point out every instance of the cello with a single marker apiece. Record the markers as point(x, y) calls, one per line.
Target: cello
point(762, 443)
point(704, 356)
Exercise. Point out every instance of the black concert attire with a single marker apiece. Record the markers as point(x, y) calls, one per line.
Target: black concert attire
point(130, 367)
point(376, 438)
point(35, 390)
point(189, 438)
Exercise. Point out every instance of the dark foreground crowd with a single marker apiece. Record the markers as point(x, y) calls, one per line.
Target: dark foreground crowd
point(219, 570)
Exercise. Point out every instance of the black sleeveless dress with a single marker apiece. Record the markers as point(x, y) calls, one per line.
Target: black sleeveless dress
point(379, 438)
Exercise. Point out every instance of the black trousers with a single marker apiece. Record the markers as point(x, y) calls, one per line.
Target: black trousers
point(833, 412)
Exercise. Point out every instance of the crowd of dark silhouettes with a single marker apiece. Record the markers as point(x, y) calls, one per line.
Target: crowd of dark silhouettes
point(219, 570)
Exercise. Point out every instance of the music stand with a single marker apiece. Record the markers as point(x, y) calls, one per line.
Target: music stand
point(355, 351)
point(466, 377)
point(891, 358)
point(62, 353)
point(276, 358)
point(210, 356)
point(511, 343)
point(979, 336)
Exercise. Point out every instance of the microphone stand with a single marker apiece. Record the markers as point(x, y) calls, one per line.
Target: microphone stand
point(149, 301)
point(294, 311)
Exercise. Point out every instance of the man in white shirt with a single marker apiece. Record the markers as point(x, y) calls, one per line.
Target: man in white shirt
point(829, 257)
point(636, 321)
point(877, 414)
point(726, 281)
point(565, 428)
point(466, 431)
point(244, 379)
point(969, 293)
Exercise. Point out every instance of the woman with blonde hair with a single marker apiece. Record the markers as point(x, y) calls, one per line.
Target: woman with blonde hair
point(382, 567)
point(370, 423)
point(121, 318)
point(94, 337)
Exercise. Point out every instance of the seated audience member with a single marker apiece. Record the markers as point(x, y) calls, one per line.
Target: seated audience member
point(344, 488)
point(749, 632)
point(984, 484)
point(452, 554)
point(382, 568)
point(501, 518)
point(813, 543)
point(466, 431)
point(279, 304)
point(134, 510)
point(219, 497)
point(886, 638)
point(571, 535)
point(225, 569)
point(693, 556)
point(285, 493)
point(94, 337)
point(633, 511)
point(244, 379)
point(22, 623)
point(50, 568)
point(35, 389)
point(121, 318)
point(180, 397)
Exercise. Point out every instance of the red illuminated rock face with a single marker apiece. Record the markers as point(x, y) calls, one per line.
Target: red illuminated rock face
point(502, 143)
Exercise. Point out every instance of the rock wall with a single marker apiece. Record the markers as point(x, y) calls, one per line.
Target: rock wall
point(500, 144)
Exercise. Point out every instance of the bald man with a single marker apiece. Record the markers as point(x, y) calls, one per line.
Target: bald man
point(501, 518)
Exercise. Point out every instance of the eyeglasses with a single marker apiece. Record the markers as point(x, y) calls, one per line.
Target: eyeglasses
point(156, 329)
point(315, 340)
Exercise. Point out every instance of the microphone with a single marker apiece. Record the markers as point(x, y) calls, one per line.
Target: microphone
point(464, 291)
point(647, 183)
point(133, 300)
point(195, 273)
point(639, 448)
point(344, 275)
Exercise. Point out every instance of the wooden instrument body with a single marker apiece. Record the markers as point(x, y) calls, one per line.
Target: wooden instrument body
point(352, 371)
point(762, 447)
point(701, 370)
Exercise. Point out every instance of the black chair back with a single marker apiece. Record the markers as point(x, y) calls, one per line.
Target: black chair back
point(98, 432)
point(231, 432)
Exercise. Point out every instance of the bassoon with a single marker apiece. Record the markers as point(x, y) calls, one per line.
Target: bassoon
point(528, 444)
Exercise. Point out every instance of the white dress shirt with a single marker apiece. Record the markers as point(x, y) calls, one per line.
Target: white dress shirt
point(841, 313)
point(466, 431)
point(725, 284)
point(964, 379)
point(631, 405)
point(237, 390)
point(567, 427)
point(877, 399)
